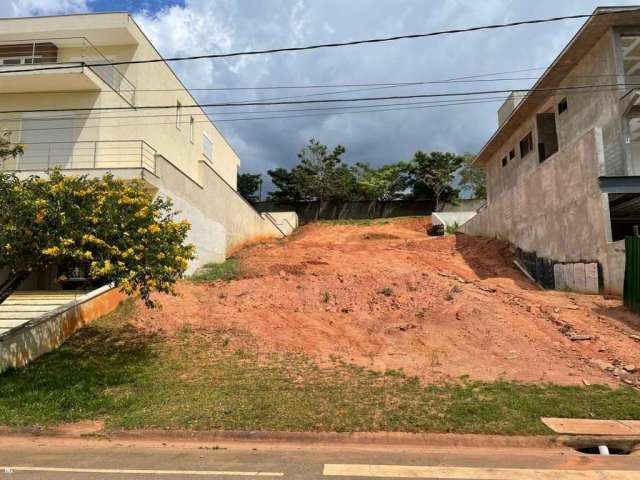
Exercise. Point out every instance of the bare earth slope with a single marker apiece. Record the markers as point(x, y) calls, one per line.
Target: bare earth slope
point(386, 296)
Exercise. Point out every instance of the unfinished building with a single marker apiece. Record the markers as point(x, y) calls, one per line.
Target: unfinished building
point(563, 168)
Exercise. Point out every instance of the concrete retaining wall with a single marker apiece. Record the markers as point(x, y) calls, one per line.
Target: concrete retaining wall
point(558, 211)
point(451, 218)
point(41, 335)
point(286, 222)
point(222, 221)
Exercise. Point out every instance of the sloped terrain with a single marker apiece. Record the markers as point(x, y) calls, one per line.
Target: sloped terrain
point(387, 297)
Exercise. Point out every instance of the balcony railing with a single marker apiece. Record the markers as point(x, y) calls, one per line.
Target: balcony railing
point(105, 155)
point(31, 54)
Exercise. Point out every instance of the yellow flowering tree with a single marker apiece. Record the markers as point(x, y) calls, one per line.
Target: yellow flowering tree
point(115, 229)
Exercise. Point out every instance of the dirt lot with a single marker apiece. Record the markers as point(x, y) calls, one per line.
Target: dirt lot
point(386, 296)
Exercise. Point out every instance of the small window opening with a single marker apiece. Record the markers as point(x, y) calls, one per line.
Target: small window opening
point(526, 145)
point(547, 135)
point(512, 154)
point(562, 106)
point(630, 45)
point(191, 128)
point(624, 213)
point(504, 162)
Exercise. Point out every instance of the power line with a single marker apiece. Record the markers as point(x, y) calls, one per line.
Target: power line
point(274, 117)
point(464, 79)
point(327, 112)
point(338, 44)
point(115, 116)
point(327, 100)
point(305, 87)
point(99, 116)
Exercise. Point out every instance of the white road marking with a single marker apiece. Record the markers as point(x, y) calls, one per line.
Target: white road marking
point(144, 472)
point(467, 473)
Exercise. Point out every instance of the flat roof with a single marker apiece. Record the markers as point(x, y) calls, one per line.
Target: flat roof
point(588, 35)
point(105, 28)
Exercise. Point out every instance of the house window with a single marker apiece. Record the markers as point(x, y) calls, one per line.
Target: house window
point(562, 106)
point(504, 162)
point(178, 115)
point(207, 147)
point(526, 145)
point(21, 60)
point(192, 126)
point(512, 154)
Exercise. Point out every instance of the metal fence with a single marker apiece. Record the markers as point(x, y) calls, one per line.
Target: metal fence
point(88, 155)
point(632, 274)
point(30, 54)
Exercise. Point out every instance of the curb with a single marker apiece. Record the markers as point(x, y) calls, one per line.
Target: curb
point(364, 439)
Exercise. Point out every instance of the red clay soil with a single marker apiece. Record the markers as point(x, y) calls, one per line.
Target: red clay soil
point(390, 297)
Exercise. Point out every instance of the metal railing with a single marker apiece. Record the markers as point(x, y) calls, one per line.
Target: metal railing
point(84, 155)
point(30, 54)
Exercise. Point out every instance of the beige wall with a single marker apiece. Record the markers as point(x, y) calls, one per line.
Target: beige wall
point(168, 140)
point(204, 191)
point(221, 220)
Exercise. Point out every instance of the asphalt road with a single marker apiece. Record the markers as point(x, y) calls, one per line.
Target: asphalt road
point(48, 458)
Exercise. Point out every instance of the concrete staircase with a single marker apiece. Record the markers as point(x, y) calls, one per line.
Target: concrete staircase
point(22, 307)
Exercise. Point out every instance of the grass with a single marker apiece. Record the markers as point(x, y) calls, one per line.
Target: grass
point(452, 229)
point(210, 272)
point(216, 380)
point(387, 291)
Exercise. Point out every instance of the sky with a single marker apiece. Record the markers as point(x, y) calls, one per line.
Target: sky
point(187, 27)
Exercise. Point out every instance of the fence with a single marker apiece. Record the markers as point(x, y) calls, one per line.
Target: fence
point(313, 211)
point(116, 154)
point(632, 274)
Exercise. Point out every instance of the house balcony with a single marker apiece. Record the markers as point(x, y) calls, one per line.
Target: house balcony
point(127, 159)
point(59, 64)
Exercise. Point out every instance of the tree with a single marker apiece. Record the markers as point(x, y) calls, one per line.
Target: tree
point(248, 186)
point(113, 229)
point(6, 149)
point(435, 171)
point(383, 184)
point(320, 175)
point(472, 178)
point(287, 184)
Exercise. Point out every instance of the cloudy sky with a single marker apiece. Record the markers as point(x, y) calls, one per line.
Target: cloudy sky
point(185, 27)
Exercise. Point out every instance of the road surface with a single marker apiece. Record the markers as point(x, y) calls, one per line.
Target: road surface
point(36, 458)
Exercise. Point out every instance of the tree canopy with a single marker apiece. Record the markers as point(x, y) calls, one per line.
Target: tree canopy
point(473, 179)
point(389, 182)
point(435, 171)
point(6, 149)
point(322, 175)
point(249, 186)
point(113, 230)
